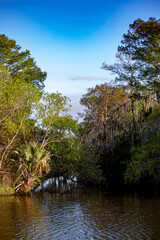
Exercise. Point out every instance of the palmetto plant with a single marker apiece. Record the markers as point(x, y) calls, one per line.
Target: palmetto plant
point(33, 161)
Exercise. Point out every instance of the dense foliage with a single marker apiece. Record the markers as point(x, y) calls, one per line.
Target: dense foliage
point(20, 63)
point(122, 119)
point(119, 138)
point(145, 161)
point(38, 136)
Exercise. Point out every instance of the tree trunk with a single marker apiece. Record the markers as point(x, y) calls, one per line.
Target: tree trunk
point(26, 188)
point(10, 143)
point(134, 136)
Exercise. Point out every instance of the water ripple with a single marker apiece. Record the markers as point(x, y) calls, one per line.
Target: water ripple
point(81, 217)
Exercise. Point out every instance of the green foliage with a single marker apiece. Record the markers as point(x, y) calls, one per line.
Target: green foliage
point(32, 162)
point(142, 40)
point(155, 115)
point(66, 145)
point(70, 157)
point(142, 44)
point(127, 112)
point(6, 190)
point(53, 118)
point(51, 108)
point(116, 116)
point(62, 138)
point(19, 63)
point(51, 125)
point(145, 161)
point(88, 168)
point(32, 159)
point(17, 99)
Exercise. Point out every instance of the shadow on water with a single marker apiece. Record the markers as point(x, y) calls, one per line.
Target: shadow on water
point(85, 215)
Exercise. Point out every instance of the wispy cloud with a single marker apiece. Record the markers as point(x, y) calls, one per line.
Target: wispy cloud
point(89, 78)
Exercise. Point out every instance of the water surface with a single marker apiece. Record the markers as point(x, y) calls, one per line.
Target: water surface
point(79, 216)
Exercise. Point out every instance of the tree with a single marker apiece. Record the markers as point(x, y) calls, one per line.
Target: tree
point(138, 64)
point(60, 135)
point(20, 63)
point(127, 74)
point(145, 157)
point(21, 85)
point(104, 114)
point(145, 161)
point(116, 115)
point(17, 98)
point(52, 115)
point(88, 168)
point(108, 126)
point(32, 161)
point(142, 42)
point(58, 131)
point(72, 157)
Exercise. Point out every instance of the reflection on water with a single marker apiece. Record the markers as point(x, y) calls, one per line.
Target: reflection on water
point(79, 216)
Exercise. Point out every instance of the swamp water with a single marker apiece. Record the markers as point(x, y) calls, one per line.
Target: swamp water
point(93, 215)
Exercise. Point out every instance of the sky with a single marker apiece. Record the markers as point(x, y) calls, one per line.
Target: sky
point(70, 39)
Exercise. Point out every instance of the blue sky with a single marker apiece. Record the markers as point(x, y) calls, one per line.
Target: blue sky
point(70, 39)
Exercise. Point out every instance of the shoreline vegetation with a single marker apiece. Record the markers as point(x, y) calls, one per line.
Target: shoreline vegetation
point(6, 190)
point(117, 143)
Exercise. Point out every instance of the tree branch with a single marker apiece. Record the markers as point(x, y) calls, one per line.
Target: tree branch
point(11, 142)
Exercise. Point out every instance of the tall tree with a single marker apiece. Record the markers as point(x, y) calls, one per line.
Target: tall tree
point(22, 82)
point(127, 72)
point(60, 135)
point(142, 42)
point(20, 63)
point(17, 98)
point(138, 63)
point(104, 108)
point(52, 114)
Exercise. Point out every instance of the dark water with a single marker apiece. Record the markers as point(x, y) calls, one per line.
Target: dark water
point(79, 216)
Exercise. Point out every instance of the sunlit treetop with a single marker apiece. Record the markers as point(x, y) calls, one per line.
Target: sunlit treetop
point(20, 63)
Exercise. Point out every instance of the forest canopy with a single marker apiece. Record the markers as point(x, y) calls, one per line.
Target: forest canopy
point(38, 136)
point(124, 115)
